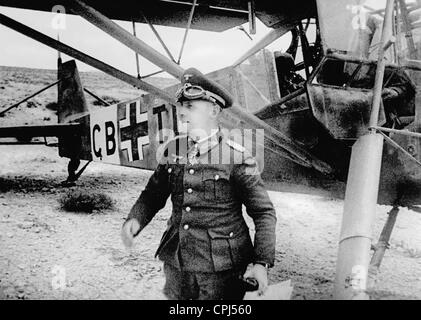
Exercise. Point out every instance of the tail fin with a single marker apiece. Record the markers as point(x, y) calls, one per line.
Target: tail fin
point(72, 107)
point(71, 99)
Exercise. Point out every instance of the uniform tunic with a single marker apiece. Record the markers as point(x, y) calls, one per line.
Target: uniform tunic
point(208, 185)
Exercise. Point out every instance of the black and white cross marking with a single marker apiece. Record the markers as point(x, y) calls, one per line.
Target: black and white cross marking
point(134, 131)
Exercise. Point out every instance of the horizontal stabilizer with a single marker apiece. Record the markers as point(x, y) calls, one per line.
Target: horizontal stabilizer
point(30, 131)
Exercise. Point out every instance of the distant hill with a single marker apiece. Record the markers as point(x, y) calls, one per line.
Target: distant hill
point(16, 83)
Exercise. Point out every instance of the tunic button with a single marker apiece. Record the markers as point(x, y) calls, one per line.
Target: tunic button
point(189, 190)
point(186, 227)
point(191, 171)
point(169, 170)
point(231, 234)
point(188, 209)
point(216, 177)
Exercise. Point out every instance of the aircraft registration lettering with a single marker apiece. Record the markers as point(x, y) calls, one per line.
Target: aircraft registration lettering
point(121, 133)
point(104, 135)
point(164, 121)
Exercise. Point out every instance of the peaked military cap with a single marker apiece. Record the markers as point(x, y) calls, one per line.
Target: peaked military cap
point(197, 86)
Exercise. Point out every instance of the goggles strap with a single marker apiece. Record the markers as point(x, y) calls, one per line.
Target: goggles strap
point(206, 95)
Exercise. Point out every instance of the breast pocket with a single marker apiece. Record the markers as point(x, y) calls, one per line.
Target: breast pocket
point(216, 185)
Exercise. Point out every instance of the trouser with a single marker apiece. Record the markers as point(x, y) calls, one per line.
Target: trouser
point(182, 285)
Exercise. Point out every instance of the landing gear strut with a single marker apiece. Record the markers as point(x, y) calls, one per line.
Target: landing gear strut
point(383, 244)
point(71, 169)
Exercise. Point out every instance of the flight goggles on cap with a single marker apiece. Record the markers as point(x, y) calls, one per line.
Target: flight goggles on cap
point(195, 92)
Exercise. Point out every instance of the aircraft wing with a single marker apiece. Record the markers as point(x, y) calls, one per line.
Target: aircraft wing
point(209, 15)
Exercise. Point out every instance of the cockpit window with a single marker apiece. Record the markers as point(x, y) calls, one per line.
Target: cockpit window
point(352, 26)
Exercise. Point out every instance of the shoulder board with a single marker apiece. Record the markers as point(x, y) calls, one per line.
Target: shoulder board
point(235, 145)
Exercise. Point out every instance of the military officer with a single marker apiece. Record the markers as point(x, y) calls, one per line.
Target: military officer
point(207, 245)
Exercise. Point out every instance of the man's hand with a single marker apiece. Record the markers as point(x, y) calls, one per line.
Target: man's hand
point(129, 229)
point(259, 273)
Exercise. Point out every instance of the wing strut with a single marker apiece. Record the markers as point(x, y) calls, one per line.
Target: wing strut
point(158, 37)
point(187, 30)
point(28, 97)
point(38, 36)
point(135, 54)
point(265, 41)
point(125, 37)
point(105, 103)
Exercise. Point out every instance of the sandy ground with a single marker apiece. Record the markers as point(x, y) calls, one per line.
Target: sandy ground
point(39, 242)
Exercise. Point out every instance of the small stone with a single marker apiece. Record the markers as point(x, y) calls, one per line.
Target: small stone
point(45, 189)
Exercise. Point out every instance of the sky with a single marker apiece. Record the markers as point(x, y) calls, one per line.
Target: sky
point(207, 51)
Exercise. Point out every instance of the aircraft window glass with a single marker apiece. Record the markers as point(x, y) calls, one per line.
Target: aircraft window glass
point(408, 32)
point(281, 68)
point(362, 21)
point(256, 77)
point(346, 74)
point(352, 26)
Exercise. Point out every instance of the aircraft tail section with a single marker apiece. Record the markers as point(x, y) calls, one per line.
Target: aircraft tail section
point(72, 108)
point(71, 99)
